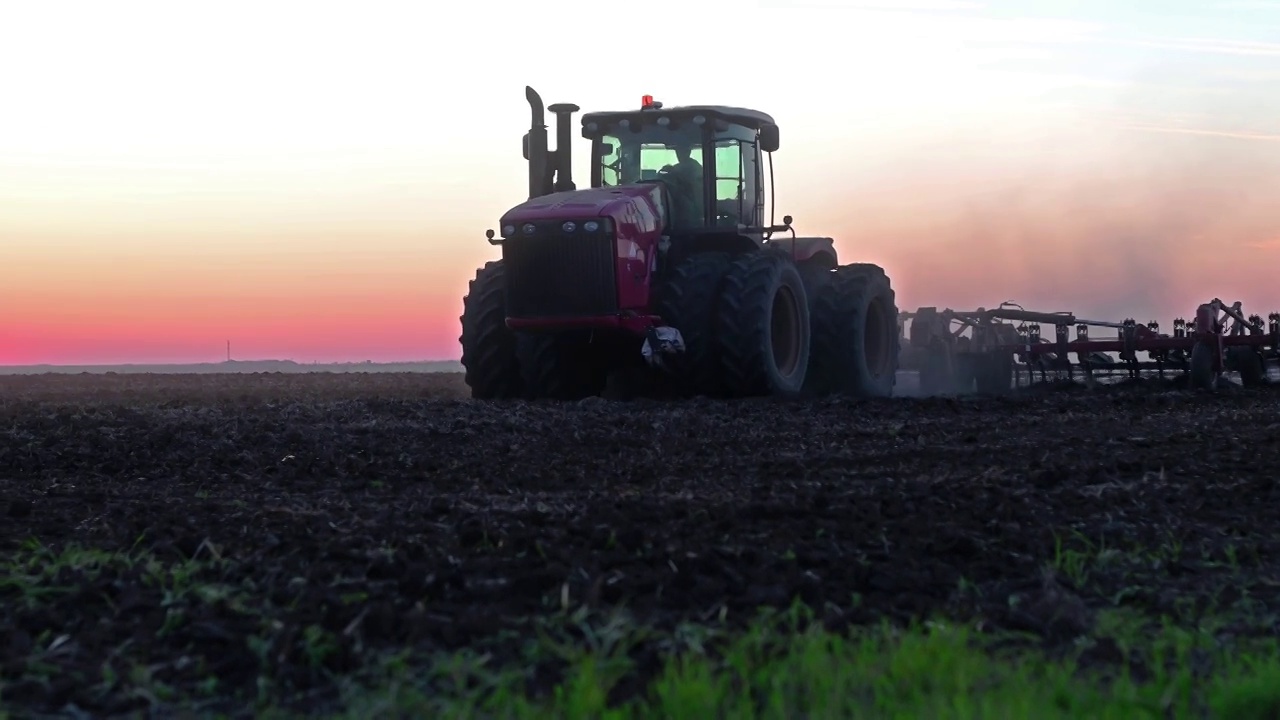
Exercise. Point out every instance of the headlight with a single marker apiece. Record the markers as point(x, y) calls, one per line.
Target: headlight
point(664, 121)
point(699, 120)
point(591, 226)
point(568, 227)
point(508, 230)
point(529, 228)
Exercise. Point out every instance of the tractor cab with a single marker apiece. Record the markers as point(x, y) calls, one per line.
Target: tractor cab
point(708, 158)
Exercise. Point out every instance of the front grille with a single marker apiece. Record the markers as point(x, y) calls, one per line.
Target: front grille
point(552, 273)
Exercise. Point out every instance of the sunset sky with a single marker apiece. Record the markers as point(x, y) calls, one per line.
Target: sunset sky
point(313, 180)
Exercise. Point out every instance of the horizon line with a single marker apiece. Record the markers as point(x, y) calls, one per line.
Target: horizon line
point(228, 362)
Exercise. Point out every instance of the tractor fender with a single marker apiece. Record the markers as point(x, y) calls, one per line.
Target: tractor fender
point(819, 251)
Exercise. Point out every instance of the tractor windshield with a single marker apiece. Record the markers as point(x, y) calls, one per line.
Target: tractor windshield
point(656, 153)
point(674, 158)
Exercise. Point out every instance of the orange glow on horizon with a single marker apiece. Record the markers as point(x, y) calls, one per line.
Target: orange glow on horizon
point(1149, 232)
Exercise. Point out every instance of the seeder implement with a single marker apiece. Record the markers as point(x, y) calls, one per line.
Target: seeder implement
point(990, 351)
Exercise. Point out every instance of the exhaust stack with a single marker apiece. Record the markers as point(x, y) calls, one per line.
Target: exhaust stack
point(535, 146)
point(549, 170)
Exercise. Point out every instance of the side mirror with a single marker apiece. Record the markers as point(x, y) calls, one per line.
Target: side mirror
point(605, 149)
point(525, 143)
point(769, 138)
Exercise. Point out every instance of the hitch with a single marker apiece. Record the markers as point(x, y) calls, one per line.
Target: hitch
point(660, 341)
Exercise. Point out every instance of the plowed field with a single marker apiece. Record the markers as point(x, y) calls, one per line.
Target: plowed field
point(216, 541)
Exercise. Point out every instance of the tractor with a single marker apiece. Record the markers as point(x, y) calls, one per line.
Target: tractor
point(665, 265)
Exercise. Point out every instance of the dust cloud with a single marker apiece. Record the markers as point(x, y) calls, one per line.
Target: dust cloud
point(1138, 224)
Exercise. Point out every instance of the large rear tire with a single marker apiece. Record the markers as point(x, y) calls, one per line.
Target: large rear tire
point(816, 278)
point(488, 345)
point(763, 326)
point(855, 339)
point(688, 302)
point(559, 366)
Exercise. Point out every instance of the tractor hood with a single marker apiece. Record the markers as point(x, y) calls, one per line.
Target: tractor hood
point(639, 204)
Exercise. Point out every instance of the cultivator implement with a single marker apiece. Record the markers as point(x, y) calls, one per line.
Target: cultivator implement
point(993, 351)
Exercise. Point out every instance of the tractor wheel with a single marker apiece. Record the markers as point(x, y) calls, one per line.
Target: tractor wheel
point(763, 326)
point(1200, 374)
point(816, 278)
point(558, 366)
point(488, 345)
point(1248, 362)
point(855, 338)
point(688, 302)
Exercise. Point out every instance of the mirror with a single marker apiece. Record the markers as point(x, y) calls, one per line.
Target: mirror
point(605, 149)
point(769, 138)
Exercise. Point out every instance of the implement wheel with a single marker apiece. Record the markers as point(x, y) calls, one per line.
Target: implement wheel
point(1248, 362)
point(937, 371)
point(994, 373)
point(1200, 374)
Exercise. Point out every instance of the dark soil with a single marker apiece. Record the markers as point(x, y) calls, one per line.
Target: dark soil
point(389, 512)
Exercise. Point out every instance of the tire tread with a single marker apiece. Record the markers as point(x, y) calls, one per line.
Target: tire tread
point(488, 345)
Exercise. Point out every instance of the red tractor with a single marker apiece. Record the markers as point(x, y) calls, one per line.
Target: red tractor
point(665, 264)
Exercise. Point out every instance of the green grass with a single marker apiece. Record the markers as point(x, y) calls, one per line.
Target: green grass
point(931, 671)
point(784, 665)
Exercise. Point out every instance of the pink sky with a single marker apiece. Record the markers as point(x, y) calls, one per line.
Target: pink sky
point(330, 206)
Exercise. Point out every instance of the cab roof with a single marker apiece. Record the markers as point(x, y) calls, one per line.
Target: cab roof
point(753, 119)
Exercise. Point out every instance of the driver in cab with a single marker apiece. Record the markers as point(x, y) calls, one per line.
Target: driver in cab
point(687, 176)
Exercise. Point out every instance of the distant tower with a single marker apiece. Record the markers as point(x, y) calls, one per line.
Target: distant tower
point(228, 351)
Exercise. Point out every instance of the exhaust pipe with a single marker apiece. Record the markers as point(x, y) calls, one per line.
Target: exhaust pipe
point(535, 146)
point(564, 145)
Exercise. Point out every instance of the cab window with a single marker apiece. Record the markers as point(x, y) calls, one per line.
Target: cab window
point(736, 182)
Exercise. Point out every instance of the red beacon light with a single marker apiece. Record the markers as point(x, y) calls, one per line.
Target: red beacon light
point(647, 103)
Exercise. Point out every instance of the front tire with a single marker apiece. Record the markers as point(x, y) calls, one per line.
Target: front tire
point(763, 326)
point(689, 303)
point(488, 345)
point(558, 366)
